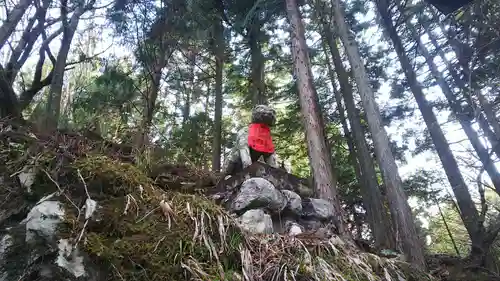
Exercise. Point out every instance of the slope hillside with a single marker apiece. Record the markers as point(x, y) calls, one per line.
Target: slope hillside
point(75, 208)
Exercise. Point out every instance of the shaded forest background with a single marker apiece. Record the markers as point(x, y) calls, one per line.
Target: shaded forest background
point(176, 80)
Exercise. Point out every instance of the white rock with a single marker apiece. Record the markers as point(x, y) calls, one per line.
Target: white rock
point(256, 221)
point(294, 230)
point(27, 177)
point(90, 207)
point(69, 259)
point(43, 219)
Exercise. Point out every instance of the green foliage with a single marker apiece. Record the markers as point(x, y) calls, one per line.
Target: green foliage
point(440, 238)
point(193, 139)
point(112, 94)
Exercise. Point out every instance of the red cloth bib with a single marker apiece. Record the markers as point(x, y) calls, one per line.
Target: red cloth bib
point(259, 138)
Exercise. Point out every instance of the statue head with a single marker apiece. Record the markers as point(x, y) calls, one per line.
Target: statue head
point(264, 114)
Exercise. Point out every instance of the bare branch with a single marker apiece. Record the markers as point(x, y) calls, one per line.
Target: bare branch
point(28, 41)
point(18, 50)
point(15, 15)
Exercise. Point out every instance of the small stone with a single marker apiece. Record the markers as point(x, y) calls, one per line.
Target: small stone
point(293, 228)
point(294, 202)
point(69, 259)
point(259, 193)
point(27, 177)
point(256, 221)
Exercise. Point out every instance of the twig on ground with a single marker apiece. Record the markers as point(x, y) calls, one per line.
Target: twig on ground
point(62, 192)
point(84, 184)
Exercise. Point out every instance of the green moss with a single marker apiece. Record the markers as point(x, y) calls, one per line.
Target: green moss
point(151, 246)
point(113, 177)
point(137, 239)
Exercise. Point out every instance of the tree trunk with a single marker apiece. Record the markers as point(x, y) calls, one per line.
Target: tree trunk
point(155, 74)
point(407, 238)
point(353, 158)
point(9, 105)
point(490, 114)
point(9, 25)
point(463, 117)
point(219, 50)
point(468, 210)
point(320, 160)
point(69, 29)
point(378, 218)
point(257, 82)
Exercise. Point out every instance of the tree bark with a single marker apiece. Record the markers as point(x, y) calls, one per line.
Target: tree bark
point(15, 15)
point(407, 238)
point(378, 218)
point(9, 105)
point(320, 159)
point(467, 207)
point(219, 50)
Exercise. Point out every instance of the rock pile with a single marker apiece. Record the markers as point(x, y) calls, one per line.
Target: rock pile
point(262, 208)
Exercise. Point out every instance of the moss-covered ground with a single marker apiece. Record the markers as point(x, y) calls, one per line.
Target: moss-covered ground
point(145, 231)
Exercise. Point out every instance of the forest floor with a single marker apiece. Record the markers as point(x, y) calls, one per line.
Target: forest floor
point(154, 222)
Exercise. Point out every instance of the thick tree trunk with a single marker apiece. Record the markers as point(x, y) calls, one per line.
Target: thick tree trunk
point(219, 48)
point(257, 81)
point(353, 158)
point(407, 238)
point(378, 218)
point(320, 160)
point(468, 210)
point(15, 15)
